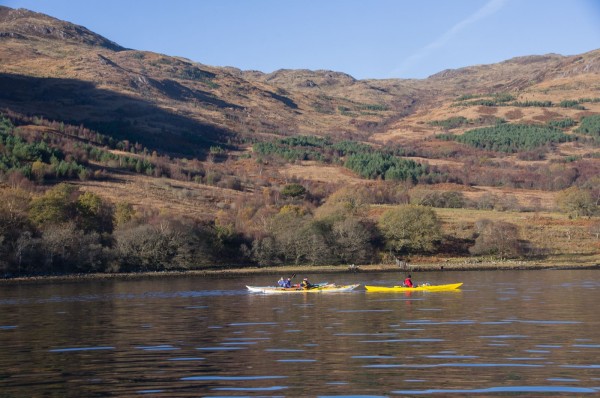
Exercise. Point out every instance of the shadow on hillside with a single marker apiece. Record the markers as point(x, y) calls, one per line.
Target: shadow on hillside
point(179, 92)
point(113, 114)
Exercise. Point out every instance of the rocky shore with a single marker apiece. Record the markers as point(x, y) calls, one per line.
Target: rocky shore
point(449, 265)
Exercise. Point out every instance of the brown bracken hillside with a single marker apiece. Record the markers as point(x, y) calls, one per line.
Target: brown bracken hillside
point(193, 116)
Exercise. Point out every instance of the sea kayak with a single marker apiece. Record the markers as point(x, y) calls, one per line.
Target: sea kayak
point(329, 288)
point(422, 288)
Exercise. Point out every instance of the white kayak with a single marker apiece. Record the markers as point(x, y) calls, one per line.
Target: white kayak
point(329, 288)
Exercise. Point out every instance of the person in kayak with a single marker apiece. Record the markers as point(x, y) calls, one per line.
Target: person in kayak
point(408, 282)
point(306, 284)
point(281, 282)
point(288, 283)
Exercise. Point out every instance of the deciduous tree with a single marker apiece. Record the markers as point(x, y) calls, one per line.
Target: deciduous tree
point(410, 228)
point(576, 202)
point(55, 206)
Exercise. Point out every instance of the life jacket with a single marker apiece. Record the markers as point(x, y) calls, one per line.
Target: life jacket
point(408, 282)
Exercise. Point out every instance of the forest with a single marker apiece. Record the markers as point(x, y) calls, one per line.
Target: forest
point(65, 230)
point(512, 137)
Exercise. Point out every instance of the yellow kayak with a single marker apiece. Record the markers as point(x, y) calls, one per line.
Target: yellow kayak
point(422, 288)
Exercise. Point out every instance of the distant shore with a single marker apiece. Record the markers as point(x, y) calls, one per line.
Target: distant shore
point(467, 264)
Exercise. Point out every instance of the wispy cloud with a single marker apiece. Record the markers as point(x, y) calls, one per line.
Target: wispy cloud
point(488, 9)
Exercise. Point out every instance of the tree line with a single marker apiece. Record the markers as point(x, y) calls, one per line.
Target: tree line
point(59, 151)
point(509, 137)
point(364, 160)
point(455, 122)
point(65, 230)
point(505, 99)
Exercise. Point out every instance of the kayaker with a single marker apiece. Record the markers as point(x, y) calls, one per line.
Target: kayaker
point(281, 282)
point(408, 282)
point(306, 284)
point(288, 283)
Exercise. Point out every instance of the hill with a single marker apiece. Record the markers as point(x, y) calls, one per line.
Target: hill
point(217, 144)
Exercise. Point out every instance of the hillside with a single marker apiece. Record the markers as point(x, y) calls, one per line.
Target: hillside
point(175, 137)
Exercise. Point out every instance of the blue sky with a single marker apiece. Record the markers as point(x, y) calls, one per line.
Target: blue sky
point(366, 39)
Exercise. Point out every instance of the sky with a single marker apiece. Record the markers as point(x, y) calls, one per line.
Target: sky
point(368, 39)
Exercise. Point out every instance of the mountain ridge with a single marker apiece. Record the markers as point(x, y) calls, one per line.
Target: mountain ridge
point(254, 105)
point(32, 24)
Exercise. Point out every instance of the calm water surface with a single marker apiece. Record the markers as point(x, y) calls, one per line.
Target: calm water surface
point(526, 333)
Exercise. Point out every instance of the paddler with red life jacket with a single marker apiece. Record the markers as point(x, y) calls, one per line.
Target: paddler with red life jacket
point(408, 282)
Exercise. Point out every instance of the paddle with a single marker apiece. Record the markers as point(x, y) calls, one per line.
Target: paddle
point(292, 277)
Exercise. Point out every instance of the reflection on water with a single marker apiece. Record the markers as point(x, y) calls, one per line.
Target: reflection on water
point(503, 333)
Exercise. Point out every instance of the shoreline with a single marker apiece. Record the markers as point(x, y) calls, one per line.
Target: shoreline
point(444, 266)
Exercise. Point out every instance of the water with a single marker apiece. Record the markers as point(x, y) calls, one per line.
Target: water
point(527, 333)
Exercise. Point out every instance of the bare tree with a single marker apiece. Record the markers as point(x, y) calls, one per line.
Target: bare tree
point(353, 240)
point(497, 238)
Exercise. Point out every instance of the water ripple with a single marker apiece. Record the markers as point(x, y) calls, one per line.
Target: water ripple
point(239, 343)
point(457, 365)
point(120, 296)
point(427, 322)
point(403, 341)
point(74, 349)
point(351, 396)
point(229, 378)
point(163, 347)
point(220, 348)
point(513, 389)
point(274, 388)
point(505, 336)
point(451, 356)
point(550, 322)
point(365, 334)
point(283, 350)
